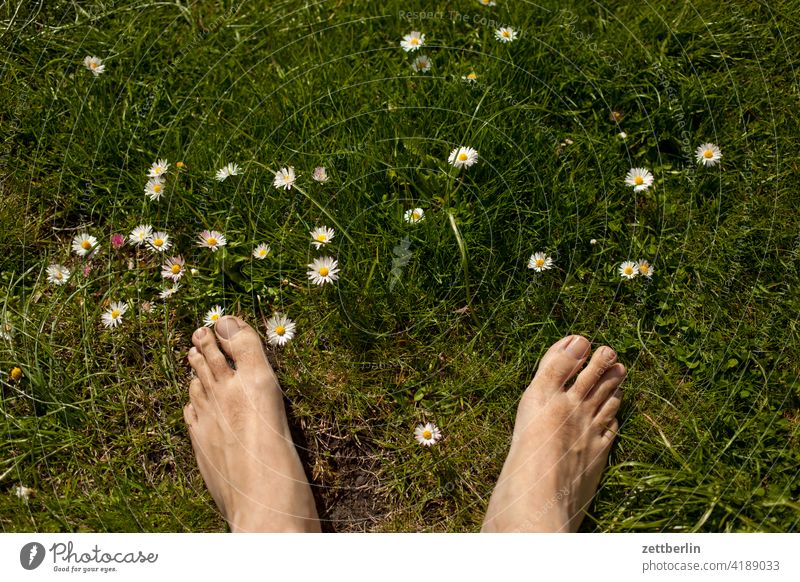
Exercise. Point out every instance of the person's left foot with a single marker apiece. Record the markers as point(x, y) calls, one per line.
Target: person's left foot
point(240, 434)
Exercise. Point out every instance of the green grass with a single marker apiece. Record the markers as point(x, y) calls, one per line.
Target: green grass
point(710, 421)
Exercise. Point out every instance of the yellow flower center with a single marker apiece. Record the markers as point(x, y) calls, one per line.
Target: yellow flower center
point(323, 271)
point(86, 245)
point(506, 33)
point(158, 242)
point(321, 237)
point(415, 216)
point(93, 65)
point(16, 373)
point(180, 164)
point(211, 241)
point(157, 188)
point(644, 269)
point(629, 270)
point(472, 76)
point(262, 253)
point(638, 180)
point(280, 330)
point(539, 262)
point(708, 154)
point(462, 157)
point(176, 269)
point(58, 275)
point(414, 41)
point(115, 313)
point(426, 434)
point(214, 317)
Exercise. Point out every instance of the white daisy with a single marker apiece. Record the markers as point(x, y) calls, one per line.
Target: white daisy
point(622, 135)
point(140, 234)
point(427, 434)
point(540, 262)
point(708, 154)
point(22, 492)
point(84, 244)
point(57, 274)
point(639, 178)
point(463, 157)
point(421, 64)
point(173, 268)
point(280, 329)
point(6, 330)
point(414, 215)
point(213, 315)
point(158, 169)
point(412, 41)
point(320, 174)
point(227, 171)
point(629, 269)
point(505, 34)
point(322, 236)
point(154, 188)
point(211, 239)
point(323, 270)
point(284, 178)
point(470, 78)
point(488, 2)
point(645, 268)
point(113, 315)
point(261, 251)
point(159, 241)
point(94, 64)
point(169, 291)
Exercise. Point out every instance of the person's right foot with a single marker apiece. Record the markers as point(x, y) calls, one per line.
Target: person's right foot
point(561, 441)
point(240, 434)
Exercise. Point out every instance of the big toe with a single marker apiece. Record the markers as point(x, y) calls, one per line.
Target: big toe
point(561, 362)
point(240, 341)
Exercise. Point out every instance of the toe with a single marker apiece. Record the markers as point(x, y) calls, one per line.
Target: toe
point(561, 361)
point(607, 385)
point(602, 359)
point(200, 367)
point(610, 430)
point(609, 409)
point(205, 341)
point(197, 394)
point(189, 414)
point(240, 341)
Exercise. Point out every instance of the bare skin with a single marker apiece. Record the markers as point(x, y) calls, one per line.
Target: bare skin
point(561, 441)
point(240, 434)
point(245, 452)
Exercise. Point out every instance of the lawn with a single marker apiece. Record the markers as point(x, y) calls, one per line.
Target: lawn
point(439, 320)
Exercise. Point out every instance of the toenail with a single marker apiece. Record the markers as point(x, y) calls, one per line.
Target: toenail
point(578, 346)
point(227, 327)
point(608, 353)
point(192, 351)
point(201, 331)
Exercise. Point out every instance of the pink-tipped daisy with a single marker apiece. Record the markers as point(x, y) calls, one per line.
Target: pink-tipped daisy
point(173, 268)
point(211, 239)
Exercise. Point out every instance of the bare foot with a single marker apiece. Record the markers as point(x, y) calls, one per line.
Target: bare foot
point(561, 441)
point(240, 434)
